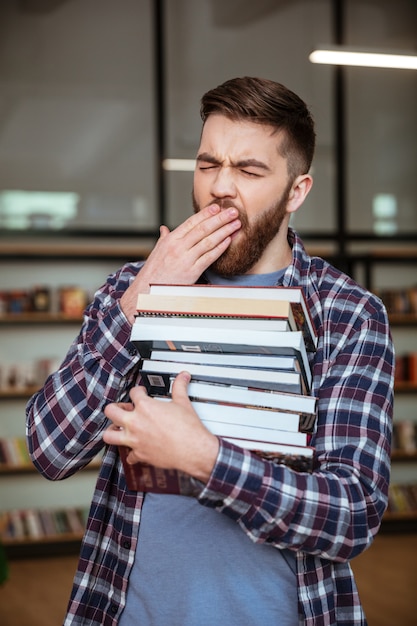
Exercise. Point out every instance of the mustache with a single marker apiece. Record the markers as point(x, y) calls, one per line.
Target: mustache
point(225, 204)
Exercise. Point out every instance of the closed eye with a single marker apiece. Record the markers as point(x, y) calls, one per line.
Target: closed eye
point(207, 167)
point(254, 174)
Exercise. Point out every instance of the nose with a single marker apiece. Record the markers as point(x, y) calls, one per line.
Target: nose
point(223, 184)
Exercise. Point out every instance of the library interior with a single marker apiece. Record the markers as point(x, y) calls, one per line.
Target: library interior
point(99, 129)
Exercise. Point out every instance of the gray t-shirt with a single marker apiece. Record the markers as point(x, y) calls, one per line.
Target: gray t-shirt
point(196, 567)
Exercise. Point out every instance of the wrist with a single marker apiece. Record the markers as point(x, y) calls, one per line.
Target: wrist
point(204, 458)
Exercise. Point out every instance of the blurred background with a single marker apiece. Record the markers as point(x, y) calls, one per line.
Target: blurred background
point(99, 127)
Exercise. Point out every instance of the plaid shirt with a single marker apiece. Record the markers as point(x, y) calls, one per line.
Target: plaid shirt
point(327, 517)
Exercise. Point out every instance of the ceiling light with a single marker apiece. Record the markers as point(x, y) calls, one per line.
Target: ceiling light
point(179, 165)
point(366, 58)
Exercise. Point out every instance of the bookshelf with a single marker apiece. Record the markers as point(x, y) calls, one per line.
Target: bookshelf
point(393, 277)
point(28, 341)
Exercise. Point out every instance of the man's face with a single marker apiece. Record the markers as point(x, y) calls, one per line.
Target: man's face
point(238, 164)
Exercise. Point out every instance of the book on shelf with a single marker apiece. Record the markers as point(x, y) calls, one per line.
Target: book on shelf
point(298, 312)
point(157, 376)
point(399, 300)
point(405, 436)
point(32, 524)
point(14, 452)
point(406, 368)
point(249, 365)
point(42, 524)
point(402, 498)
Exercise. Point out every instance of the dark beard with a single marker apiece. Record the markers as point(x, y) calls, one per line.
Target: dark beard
point(242, 255)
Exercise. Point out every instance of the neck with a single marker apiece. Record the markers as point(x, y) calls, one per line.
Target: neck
point(276, 256)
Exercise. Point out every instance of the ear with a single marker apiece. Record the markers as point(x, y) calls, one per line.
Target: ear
point(298, 192)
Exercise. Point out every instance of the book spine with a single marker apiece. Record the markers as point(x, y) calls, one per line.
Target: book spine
point(159, 383)
point(145, 348)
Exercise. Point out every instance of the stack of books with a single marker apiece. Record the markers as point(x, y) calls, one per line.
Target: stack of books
point(247, 350)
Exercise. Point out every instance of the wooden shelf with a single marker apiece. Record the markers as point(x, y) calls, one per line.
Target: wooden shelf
point(39, 318)
point(55, 545)
point(58, 538)
point(392, 516)
point(402, 319)
point(29, 530)
point(134, 248)
point(10, 470)
point(18, 393)
point(405, 387)
point(405, 254)
point(400, 456)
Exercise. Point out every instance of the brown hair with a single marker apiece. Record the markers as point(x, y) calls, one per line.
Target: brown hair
point(266, 102)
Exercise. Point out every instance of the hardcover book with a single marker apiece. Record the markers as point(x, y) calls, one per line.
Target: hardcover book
point(260, 417)
point(212, 322)
point(157, 376)
point(148, 336)
point(292, 295)
point(265, 362)
point(145, 477)
point(303, 405)
point(233, 309)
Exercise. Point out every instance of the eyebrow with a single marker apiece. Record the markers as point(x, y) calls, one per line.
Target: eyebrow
point(209, 158)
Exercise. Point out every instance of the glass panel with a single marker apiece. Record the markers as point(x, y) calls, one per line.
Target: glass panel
point(382, 122)
point(211, 41)
point(77, 140)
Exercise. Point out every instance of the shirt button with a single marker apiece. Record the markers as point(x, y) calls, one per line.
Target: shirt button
point(113, 609)
point(132, 351)
point(126, 545)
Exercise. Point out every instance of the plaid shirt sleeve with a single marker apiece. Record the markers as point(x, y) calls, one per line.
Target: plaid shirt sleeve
point(65, 419)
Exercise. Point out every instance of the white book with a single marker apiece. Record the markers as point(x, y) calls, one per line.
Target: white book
point(157, 376)
point(233, 360)
point(265, 446)
point(294, 295)
point(302, 405)
point(272, 435)
point(240, 414)
point(33, 523)
point(238, 323)
point(148, 336)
